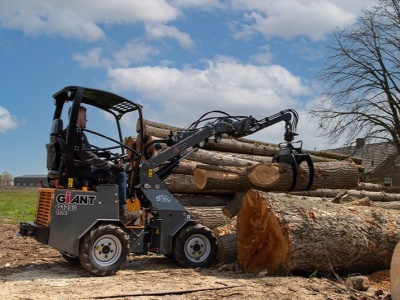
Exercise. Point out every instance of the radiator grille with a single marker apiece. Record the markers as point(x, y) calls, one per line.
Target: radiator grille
point(43, 208)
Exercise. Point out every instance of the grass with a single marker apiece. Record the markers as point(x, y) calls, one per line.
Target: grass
point(17, 204)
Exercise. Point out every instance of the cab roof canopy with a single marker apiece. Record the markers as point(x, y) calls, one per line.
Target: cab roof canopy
point(104, 100)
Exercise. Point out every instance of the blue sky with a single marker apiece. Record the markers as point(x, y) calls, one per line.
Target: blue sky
point(178, 58)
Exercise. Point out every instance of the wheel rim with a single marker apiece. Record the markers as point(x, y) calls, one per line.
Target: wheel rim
point(197, 248)
point(107, 250)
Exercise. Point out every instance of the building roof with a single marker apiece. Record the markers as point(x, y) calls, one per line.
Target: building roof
point(32, 176)
point(372, 155)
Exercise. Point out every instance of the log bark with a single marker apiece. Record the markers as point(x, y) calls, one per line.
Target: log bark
point(227, 242)
point(221, 159)
point(163, 130)
point(203, 199)
point(233, 207)
point(351, 195)
point(387, 205)
point(281, 234)
point(211, 217)
point(395, 274)
point(184, 184)
point(187, 167)
point(277, 177)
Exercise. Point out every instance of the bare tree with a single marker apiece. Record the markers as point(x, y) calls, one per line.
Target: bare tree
point(5, 178)
point(360, 79)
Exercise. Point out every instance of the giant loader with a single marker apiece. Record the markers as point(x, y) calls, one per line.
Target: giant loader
point(81, 220)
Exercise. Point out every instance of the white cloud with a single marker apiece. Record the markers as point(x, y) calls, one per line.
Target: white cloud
point(7, 121)
point(159, 31)
point(135, 51)
point(92, 59)
point(264, 56)
point(80, 19)
point(290, 18)
point(180, 96)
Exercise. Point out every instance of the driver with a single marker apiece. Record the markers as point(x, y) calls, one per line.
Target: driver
point(98, 170)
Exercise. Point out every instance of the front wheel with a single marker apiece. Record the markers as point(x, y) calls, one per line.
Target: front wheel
point(195, 246)
point(104, 250)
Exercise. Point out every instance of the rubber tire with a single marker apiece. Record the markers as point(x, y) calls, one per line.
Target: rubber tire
point(199, 236)
point(72, 259)
point(99, 263)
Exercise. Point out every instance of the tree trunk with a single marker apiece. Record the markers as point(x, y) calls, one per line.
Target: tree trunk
point(184, 184)
point(227, 242)
point(163, 130)
point(277, 177)
point(211, 217)
point(395, 274)
point(233, 207)
point(387, 205)
point(220, 159)
point(351, 195)
point(281, 233)
point(203, 199)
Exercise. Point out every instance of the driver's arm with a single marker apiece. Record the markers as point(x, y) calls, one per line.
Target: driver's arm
point(90, 157)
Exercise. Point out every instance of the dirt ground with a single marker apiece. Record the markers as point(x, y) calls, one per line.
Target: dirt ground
point(30, 270)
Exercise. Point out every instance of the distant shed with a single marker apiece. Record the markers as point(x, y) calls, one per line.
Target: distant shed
point(30, 180)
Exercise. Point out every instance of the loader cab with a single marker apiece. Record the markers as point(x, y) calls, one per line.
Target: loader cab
point(65, 135)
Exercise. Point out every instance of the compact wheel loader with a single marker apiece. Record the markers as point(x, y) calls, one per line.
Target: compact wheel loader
point(81, 220)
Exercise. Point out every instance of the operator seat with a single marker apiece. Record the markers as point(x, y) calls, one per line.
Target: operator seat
point(55, 151)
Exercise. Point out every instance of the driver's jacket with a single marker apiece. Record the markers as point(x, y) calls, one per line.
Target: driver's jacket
point(88, 158)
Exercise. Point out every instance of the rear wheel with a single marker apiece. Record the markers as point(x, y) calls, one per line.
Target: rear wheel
point(104, 250)
point(195, 246)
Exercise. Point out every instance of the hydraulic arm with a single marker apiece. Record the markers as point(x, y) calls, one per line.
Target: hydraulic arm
point(184, 142)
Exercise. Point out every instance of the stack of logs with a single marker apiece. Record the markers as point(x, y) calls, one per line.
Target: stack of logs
point(235, 189)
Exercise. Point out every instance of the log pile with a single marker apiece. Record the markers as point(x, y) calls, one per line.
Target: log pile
point(235, 189)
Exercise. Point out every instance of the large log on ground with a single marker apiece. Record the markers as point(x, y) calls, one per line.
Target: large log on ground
point(277, 177)
point(280, 234)
point(395, 274)
point(351, 194)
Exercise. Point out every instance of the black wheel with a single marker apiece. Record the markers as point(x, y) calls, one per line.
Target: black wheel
point(72, 259)
point(104, 250)
point(195, 246)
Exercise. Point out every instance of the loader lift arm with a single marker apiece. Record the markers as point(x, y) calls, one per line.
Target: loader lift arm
point(184, 142)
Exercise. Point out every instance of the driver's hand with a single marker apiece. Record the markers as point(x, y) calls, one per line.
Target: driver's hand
point(117, 168)
point(105, 154)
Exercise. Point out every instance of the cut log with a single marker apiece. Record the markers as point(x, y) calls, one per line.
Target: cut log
point(351, 195)
point(211, 217)
point(227, 243)
point(395, 274)
point(282, 234)
point(387, 205)
point(277, 177)
point(203, 199)
point(359, 202)
point(221, 159)
point(163, 130)
point(233, 207)
point(184, 184)
point(187, 167)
